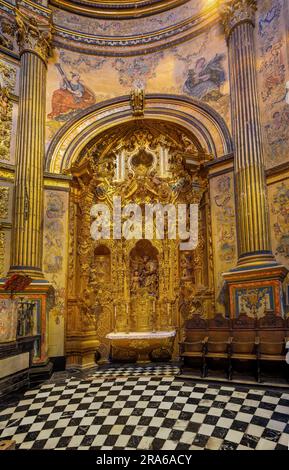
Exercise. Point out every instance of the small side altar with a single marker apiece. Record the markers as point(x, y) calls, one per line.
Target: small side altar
point(142, 346)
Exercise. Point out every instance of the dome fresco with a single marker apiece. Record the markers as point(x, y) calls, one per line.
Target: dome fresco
point(121, 24)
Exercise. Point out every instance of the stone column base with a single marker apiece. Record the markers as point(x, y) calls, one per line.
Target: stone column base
point(81, 350)
point(256, 290)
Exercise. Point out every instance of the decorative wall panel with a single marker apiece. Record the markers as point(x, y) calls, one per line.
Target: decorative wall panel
point(273, 68)
point(223, 232)
point(55, 263)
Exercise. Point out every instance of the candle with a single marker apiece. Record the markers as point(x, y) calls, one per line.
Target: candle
point(115, 318)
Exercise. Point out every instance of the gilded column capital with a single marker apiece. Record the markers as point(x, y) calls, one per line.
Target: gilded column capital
point(234, 12)
point(33, 36)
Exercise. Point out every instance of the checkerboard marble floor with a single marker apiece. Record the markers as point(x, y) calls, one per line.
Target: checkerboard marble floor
point(146, 411)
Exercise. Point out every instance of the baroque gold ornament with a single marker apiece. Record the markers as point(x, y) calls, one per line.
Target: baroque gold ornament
point(124, 288)
point(4, 199)
point(234, 12)
point(33, 36)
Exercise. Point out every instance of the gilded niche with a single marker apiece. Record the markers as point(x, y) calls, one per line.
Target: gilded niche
point(128, 286)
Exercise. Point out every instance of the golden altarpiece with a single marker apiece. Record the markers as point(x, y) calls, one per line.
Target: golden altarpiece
point(133, 295)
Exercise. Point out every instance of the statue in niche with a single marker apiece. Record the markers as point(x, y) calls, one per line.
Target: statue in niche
point(144, 270)
point(144, 275)
point(186, 266)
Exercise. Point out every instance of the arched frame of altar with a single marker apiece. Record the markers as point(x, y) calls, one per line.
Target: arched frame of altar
point(129, 298)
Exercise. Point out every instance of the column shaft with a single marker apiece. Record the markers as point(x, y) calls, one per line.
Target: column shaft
point(254, 244)
point(30, 151)
point(34, 39)
point(252, 206)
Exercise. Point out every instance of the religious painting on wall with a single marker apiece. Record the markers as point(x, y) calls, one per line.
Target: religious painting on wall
point(8, 320)
point(280, 210)
point(53, 234)
point(205, 79)
point(54, 249)
point(226, 217)
point(273, 76)
point(224, 231)
point(71, 96)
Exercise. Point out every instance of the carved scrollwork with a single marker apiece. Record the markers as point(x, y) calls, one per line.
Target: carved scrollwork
point(122, 288)
point(33, 36)
point(137, 100)
point(7, 82)
point(7, 31)
point(4, 199)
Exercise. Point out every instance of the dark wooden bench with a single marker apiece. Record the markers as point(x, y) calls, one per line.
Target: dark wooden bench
point(195, 340)
point(219, 341)
point(240, 339)
point(273, 336)
point(245, 341)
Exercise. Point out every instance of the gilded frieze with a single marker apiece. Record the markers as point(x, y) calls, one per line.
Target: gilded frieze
point(4, 200)
point(7, 84)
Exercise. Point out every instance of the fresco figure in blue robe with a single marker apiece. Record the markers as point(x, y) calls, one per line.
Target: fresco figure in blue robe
point(205, 80)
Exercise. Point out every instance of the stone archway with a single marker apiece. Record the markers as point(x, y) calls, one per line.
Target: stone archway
point(197, 117)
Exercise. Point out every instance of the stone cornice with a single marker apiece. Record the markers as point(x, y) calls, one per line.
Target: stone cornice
point(235, 12)
point(113, 9)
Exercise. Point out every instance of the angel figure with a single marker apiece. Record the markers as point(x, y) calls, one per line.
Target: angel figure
point(205, 80)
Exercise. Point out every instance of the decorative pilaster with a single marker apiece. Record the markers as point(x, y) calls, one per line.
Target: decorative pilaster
point(254, 244)
point(34, 41)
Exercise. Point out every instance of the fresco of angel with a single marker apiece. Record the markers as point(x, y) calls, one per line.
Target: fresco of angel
point(206, 78)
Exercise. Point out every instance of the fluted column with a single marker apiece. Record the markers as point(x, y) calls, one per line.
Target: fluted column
point(34, 44)
point(254, 246)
